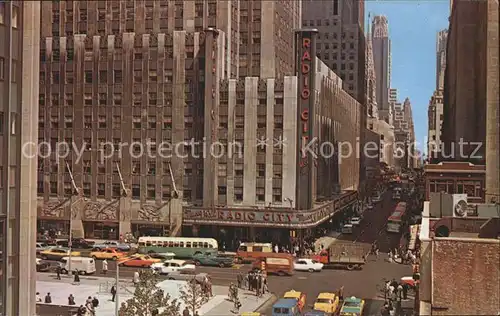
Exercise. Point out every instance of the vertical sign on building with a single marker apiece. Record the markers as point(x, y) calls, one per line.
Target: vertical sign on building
point(305, 44)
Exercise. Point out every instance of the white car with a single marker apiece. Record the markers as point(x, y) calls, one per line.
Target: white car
point(356, 221)
point(169, 266)
point(308, 265)
point(347, 229)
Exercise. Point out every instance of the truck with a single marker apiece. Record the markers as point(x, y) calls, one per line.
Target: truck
point(343, 254)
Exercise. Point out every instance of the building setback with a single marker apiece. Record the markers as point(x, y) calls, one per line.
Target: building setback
point(19, 47)
point(382, 61)
point(273, 192)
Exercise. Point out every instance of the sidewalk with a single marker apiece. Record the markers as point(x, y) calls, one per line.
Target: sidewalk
point(99, 287)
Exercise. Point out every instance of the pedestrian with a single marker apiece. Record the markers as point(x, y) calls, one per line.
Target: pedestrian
point(113, 293)
point(58, 272)
point(38, 298)
point(81, 311)
point(76, 280)
point(250, 281)
point(240, 280)
point(88, 301)
point(400, 292)
point(48, 298)
point(71, 300)
point(185, 312)
point(341, 293)
point(95, 302)
point(104, 266)
point(136, 278)
point(276, 248)
point(405, 291)
point(196, 313)
point(259, 286)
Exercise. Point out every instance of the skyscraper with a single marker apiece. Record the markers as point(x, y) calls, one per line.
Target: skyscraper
point(442, 37)
point(341, 40)
point(382, 61)
point(19, 64)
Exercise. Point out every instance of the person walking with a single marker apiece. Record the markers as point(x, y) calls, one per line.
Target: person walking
point(185, 312)
point(240, 280)
point(58, 272)
point(76, 280)
point(113, 293)
point(95, 302)
point(136, 278)
point(48, 298)
point(104, 266)
point(38, 298)
point(71, 300)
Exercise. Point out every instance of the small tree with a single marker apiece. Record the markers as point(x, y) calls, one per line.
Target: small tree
point(193, 296)
point(148, 298)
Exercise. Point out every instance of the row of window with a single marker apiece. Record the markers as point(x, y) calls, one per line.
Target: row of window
point(14, 117)
point(152, 122)
point(471, 188)
point(3, 70)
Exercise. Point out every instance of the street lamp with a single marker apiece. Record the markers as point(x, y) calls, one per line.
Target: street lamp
point(75, 193)
point(117, 282)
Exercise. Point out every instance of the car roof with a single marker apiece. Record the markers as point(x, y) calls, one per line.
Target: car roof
point(352, 299)
point(327, 295)
point(285, 303)
point(292, 294)
point(181, 262)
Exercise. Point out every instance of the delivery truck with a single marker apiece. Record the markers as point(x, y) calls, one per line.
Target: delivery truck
point(343, 254)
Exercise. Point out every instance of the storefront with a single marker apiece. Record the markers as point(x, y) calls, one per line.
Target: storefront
point(149, 229)
point(276, 225)
point(101, 230)
point(53, 227)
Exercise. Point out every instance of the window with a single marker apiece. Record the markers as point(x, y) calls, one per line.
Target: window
point(277, 198)
point(116, 190)
point(101, 169)
point(103, 76)
point(68, 121)
point(136, 167)
point(116, 122)
point(87, 122)
point(260, 195)
point(2, 68)
point(118, 76)
point(152, 122)
point(102, 121)
point(86, 189)
point(151, 191)
point(136, 122)
point(2, 12)
point(70, 77)
point(53, 188)
point(151, 168)
point(86, 166)
point(15, 17)
point(222, 170)
point(136, 191)
point(101, 189)
point(117, 99)
point(137, 76)
point(152, 98)
point(166, 195)
point(186, 195)
point(238, 170)
point(55, 77)
point(87, 97)
point(222, 189)
point(68, 99)
point(261, 170)
point(2, 119)
point(88, 76)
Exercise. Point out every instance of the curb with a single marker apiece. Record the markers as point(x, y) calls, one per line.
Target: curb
point(270, 301)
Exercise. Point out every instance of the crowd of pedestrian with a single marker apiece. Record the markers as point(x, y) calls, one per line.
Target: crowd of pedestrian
point(89, 308)
point(254, 280)
point(394, 293)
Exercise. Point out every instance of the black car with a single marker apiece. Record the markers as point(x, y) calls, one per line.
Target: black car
point(42, 266)
point(76, 243)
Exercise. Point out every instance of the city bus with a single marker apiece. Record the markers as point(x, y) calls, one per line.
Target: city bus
point(395, 221)
point(182, 247)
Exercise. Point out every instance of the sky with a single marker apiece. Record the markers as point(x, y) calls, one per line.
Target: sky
point(413, 28)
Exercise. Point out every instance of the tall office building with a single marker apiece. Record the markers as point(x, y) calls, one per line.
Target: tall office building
point(442, 37)
point(266, 38)
point(341, 40)
point(382, 61)
point(19, 51)
point(435, 109)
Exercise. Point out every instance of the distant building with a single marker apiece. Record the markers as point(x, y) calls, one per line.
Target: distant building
point(382, 60)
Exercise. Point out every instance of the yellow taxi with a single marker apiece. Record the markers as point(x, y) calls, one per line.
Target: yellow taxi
point(138, 260)
point(57, 253)
point(299, 296)
point(352, 306)
point(108, 253)
point(327, 302)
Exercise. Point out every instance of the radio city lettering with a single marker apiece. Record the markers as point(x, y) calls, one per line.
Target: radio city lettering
point(305, 94)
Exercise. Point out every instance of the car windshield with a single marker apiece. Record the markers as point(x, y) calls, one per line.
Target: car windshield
point(314, 261)
point(351, 304)
point(323, 301)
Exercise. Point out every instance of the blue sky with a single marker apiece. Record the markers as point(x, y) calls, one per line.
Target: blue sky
point(413, 27)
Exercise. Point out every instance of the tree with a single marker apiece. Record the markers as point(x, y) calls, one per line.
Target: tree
point(148, 298)
point(193, 296)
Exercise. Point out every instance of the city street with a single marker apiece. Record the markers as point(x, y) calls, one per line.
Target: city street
point(364, 283)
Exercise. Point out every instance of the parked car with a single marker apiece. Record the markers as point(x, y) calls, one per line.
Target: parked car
point(163, 256)
point(213, 259)
point(138, 260)
point(77, 243)
point(307, 265)
point(42, 266)
point(186, 275)
point(113, 244)
point(41, 247)
point(356, 221)
point(347, 229)
point(173, 265)
point(109, 253)
point(57, 253)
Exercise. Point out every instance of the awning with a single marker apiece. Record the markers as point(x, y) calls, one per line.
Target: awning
point(414, 232)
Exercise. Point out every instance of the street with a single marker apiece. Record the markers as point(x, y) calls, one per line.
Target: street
point(364, 283)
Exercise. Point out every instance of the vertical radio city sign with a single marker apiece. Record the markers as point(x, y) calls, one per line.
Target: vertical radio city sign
point(305, 43)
